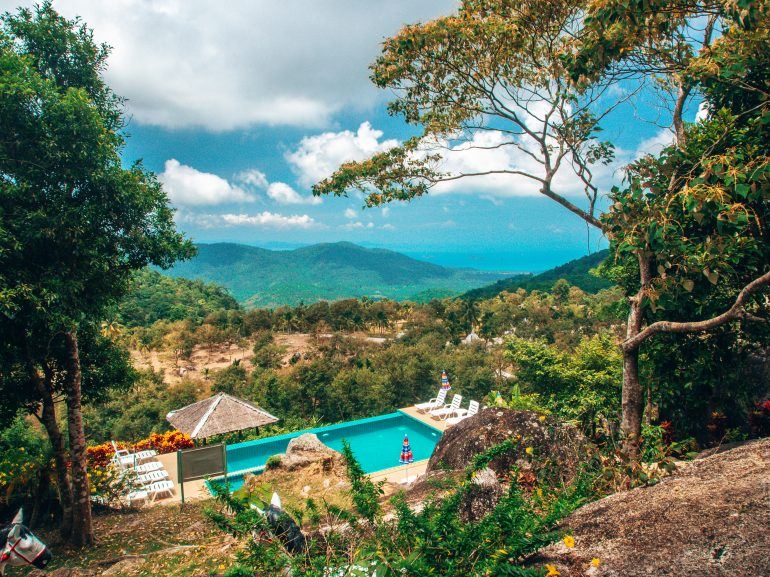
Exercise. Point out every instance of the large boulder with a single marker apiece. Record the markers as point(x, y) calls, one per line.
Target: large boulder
point(307, 449)
point(540, 442)
point(710, 519)
point(307, 469)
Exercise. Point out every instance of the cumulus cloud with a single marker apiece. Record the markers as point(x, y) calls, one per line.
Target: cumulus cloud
point(187, 186)
point(263, 219)
point(319, 156)
point(196, 63)
point(350, 213)
point(282, 193)
point(316, 157)
point(252, 177)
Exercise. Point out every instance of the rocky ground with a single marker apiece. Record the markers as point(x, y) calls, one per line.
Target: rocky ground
point(710, 519)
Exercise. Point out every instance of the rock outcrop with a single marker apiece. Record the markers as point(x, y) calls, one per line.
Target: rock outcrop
point(540, 442)
point(307, 449)
point(711, 518)
point(482, 496)
point(307, 469)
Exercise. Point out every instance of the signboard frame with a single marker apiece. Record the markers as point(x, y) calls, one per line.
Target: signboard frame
point(197, 464)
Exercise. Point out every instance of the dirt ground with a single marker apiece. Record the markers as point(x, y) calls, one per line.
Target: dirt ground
point(218, 358)
point(169, 541)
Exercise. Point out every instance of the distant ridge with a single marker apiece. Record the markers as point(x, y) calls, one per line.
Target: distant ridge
point(576, 272)
point(267, 278)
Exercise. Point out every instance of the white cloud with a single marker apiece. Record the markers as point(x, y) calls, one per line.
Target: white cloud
point(252, 177)
point(282, 193)
point(388, 226)
point(350, 213)
point(654, 144)
point(385, 211)
point(196, 63)
point(318, 156)
point(357, 225)
point(187, 186)
point(263, 219)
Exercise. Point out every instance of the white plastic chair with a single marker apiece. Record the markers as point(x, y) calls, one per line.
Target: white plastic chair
point(434, 403)
point(473, 408)
point(449, 409)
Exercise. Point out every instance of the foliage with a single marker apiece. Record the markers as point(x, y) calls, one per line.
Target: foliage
point(24, 456)
point(168, 442)
point(109, 484)
point(576, 272)
point(153, 296)
point(134, 414)
point(433, 540)
point(365, 493)
point(583, 385)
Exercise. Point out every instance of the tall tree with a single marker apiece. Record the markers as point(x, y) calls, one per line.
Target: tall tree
point(74, 222)
point(532, 77)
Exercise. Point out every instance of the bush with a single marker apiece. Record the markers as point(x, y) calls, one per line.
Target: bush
point(273, 462)
point(25, 456)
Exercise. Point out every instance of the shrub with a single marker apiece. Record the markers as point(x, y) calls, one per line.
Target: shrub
point(24, 456)
point(273, 462)
point(167, 442)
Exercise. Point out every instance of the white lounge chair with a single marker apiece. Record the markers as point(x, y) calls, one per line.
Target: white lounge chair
point(137, 496)
point(434, 403)
point(125, 458)
point(148, 467)
point(159, 488)
point(449, 409)
point(152, 476)
point(473, 408)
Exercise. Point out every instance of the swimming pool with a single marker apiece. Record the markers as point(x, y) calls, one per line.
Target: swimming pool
point(376, 443)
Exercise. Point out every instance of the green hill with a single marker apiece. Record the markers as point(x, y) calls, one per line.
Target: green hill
point(266, 278)
point(154, 296)
point(576, 272)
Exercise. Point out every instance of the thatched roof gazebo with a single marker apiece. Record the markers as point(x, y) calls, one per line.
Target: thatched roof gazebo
point(218, 415)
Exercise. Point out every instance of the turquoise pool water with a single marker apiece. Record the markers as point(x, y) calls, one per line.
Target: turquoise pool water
point(376, 443)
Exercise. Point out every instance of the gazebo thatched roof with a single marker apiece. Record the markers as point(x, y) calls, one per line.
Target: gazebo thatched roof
point(217, 415)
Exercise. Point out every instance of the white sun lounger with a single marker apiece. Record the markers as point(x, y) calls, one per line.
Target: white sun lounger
point(137, 496)
point(159, 488)
point(152, 476)
point(148, 467)
point(449, 409)
point(473, 408)
point(434, 403)
point(126, 459)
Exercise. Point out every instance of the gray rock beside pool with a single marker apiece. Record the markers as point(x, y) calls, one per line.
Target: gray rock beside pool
point(307, 449)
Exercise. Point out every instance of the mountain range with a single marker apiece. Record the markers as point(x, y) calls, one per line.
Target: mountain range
point(259, 277)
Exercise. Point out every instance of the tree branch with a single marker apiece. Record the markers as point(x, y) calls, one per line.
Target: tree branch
point(735, 312)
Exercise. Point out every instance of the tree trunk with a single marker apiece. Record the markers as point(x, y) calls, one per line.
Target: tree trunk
point(48, 419)
point(633, 396)
point(82, 528)
point(633, 404)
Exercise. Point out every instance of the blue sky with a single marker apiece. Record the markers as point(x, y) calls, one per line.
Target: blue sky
point(239, 109)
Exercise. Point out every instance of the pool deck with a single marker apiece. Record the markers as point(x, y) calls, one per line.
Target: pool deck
point(197, 490)
point(425, 418)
